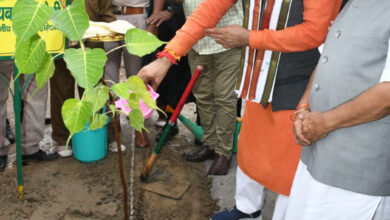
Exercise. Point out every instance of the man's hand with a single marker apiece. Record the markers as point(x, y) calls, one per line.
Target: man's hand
point(231, 36)
point(152, 29)
point(300, 139)
point(314, 126)
point(155, 71)
point(160, 17)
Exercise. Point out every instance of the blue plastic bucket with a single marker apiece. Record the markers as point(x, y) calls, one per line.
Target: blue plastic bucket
point(90, 145)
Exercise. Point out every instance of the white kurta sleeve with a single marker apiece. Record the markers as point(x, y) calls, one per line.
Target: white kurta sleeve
point(386, 71)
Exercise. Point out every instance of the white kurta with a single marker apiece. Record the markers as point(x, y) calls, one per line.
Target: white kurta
point(312, 200)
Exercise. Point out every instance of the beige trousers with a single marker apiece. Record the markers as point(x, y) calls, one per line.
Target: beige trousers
point(34, 111)
point(215, 97)
point(132, 63)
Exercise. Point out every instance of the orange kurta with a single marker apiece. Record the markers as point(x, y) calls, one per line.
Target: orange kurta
point(267, 151)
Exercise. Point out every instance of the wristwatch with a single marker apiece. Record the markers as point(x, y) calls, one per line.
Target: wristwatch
point(171, 9)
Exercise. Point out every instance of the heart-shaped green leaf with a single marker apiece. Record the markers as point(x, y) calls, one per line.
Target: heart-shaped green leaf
point(122, 90)
point(98, 121)
point(29, 54)
point(140, 42)
point(28, 17)
point(97, 97)
point(86, 66)
point(76, 114)
point(73, 20)
point(136, 119)
point(45, 71)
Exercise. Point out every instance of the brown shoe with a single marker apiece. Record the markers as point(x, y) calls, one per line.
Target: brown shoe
point(220, 166)
point(200, 155)
point(141, 139)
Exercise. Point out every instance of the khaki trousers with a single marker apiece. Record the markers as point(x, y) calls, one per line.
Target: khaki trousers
point(33, 125)
point(215, 97)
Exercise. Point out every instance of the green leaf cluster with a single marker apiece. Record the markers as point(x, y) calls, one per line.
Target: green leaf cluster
point(86, 65)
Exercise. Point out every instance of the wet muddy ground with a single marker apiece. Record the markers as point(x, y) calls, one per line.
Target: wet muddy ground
point(67, 189)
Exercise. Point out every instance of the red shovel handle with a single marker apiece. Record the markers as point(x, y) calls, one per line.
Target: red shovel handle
point(185, 95)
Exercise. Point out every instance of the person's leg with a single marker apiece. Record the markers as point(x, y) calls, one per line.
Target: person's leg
point(111, 69)
point(9, 134)
point(62, 87)
point(111, 74)
point(249, 193)
point(133, 64)
point(6, 71)
point(203, 91)
point(34, 112)
point(226, 72)
point(33, 124)
point(280, 207)
point(249, 199)
point(383, 210)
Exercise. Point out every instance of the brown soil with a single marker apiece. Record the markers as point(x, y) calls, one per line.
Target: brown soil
point(66, 189)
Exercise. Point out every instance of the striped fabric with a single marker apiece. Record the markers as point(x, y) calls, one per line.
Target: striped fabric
point(207, 45)
point(258, 67)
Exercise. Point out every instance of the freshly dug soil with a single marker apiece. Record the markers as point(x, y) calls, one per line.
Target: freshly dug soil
point(66, 189)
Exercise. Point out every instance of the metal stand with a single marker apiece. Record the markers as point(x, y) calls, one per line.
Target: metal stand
point(17, 109)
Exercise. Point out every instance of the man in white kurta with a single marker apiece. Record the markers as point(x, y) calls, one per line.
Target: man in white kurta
point(343, 172)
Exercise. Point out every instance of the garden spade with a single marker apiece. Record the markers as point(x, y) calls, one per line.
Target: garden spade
point(171, 122)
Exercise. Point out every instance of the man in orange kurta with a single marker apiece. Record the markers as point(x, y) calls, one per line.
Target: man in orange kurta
point(267, 153)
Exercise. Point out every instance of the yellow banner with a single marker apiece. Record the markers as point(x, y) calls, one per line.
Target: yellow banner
point(55, 40)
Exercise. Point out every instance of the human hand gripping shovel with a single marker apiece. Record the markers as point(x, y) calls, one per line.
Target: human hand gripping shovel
point(145, 173)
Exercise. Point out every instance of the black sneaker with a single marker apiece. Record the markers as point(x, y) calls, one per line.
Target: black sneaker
point(234, 214)
point(3, 162)
point(39, 156)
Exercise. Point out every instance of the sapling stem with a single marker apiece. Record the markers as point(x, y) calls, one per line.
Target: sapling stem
point(82, 45)
point(116, 48)
point(15, 78)
point(110, 81)
point(57, 55)
point(120, 161)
